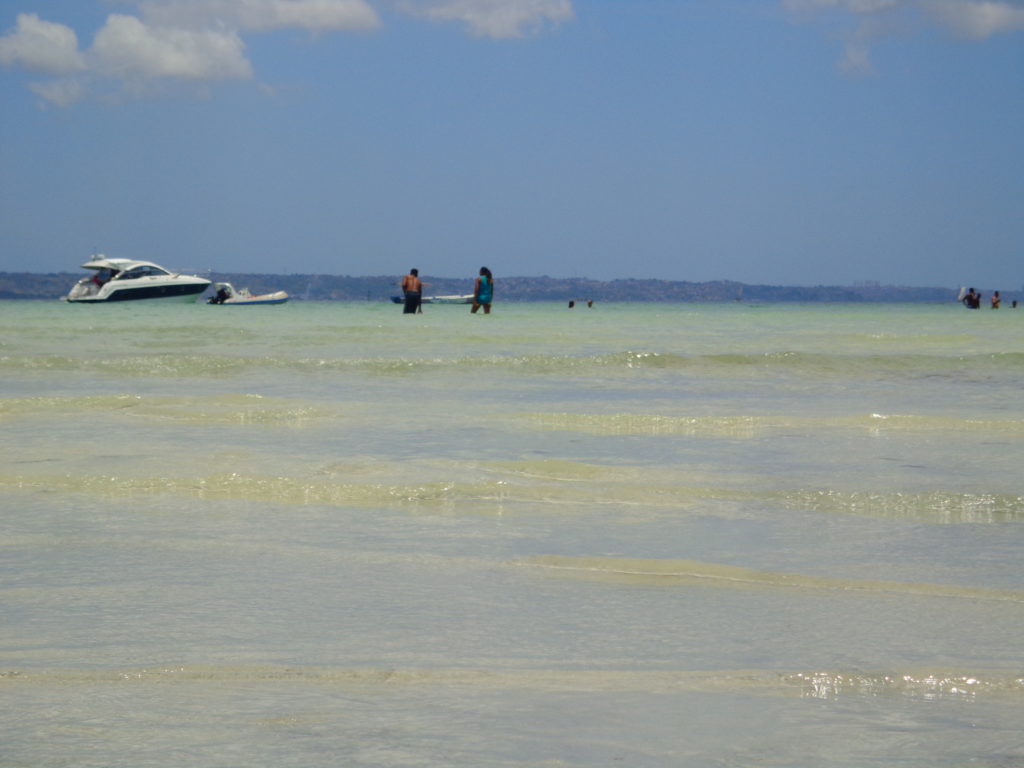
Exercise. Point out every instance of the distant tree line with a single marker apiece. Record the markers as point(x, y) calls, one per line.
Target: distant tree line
point(25, 285)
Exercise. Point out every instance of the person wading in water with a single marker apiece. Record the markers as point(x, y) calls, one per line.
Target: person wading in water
point(412, 287)
point(483, 292)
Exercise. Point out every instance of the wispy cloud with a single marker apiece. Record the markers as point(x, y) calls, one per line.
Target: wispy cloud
point(873, 20)
point(60, 93)
point(261, 15)
point(977, 20)
point(494, 18)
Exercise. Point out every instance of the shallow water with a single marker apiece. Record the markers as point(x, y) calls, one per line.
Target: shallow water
point(327, 533)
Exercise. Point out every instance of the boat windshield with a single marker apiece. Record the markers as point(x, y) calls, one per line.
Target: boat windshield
point(145, 270)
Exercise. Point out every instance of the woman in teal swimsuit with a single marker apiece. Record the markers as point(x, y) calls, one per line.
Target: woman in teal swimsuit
point(483, 292)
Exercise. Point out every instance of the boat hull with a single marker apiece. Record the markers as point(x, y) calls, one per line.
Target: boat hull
point(170, 292)
point(240, 302)
point(225, 295)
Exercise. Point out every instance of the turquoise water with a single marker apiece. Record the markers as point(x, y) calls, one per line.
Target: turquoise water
point(329, 534)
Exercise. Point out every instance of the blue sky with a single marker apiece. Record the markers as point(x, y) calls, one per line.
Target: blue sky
point(766, 141)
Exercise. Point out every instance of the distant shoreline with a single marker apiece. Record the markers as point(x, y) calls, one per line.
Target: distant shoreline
point(27, 285)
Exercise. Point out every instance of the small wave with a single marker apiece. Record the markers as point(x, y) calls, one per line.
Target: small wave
point(505, 675)
point(216, 410)
point(691, 572)
point(563, 470)
point(28, 406)
point(526, 364)
point(136, 366)
point(626, 363)
point(545, 485)
point(653, 424)
point(929, 685)
point(283, 490)
point(752, 426)
point(438, 496)
point(944, 340)
point(875, 364)
point(929, 506)
point(219, 365)
point(880, 422)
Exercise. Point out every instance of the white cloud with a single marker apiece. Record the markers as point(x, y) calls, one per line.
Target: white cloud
point(856, 58)
point(262, 15)
point(977, 20)
point(128, 49)
point(494, 18)
point(877, 19)
point(854, 6)
point(971, 18)
point(41, 46)
point(196, 41)
point(201, 41)
point(61, 93)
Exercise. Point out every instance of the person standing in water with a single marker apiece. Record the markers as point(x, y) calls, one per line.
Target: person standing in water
point(483, 291)
point(972, 300)
point(412, 288)
point(996, 301)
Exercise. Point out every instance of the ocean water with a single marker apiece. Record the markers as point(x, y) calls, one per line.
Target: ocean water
point(327, 534)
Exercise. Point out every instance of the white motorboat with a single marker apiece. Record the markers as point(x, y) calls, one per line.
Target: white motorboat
point(226, 294)
point(128, 280)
